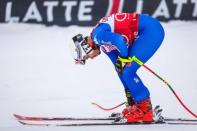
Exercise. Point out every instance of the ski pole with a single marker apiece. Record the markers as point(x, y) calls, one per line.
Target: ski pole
point(135, 59)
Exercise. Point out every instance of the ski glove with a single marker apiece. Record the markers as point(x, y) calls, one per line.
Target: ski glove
point(121, 63)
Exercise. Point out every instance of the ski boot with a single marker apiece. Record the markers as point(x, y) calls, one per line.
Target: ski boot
point(139, 112)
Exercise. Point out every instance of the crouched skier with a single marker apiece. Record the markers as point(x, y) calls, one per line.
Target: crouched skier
point(122, 36)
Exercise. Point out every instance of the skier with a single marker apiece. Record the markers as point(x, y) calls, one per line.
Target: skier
point(122, 36)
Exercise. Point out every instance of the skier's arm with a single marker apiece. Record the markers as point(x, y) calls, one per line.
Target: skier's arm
point(103, 35)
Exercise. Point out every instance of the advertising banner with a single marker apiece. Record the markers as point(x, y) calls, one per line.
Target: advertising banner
point(88, 12)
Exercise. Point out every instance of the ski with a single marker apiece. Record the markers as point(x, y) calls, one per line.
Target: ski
point(180, 119)
point(106, 124)
point(33, 118)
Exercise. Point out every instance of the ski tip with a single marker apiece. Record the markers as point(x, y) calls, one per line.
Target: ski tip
point(93, 103)
point(23, 123)
point(16, 116)
point(19, 117)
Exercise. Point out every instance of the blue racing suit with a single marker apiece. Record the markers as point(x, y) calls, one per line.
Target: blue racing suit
point(150, 37)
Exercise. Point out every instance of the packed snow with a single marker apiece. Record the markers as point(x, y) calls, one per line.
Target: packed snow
point(38, 77)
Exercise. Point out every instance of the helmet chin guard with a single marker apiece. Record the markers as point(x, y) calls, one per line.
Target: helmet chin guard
point(80, 49)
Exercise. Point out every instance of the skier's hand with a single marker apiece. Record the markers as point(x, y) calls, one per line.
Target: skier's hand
point(121, 63)
point(119, 66)
point(95, 53)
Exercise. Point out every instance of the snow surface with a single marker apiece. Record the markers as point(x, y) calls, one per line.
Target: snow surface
point(39, 77)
